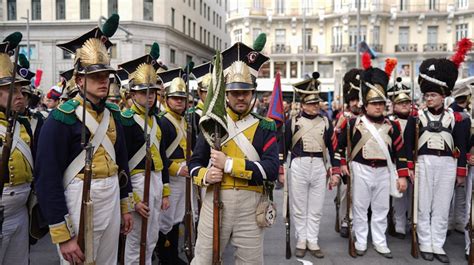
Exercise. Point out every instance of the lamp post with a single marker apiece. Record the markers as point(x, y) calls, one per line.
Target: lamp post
point(27, 18)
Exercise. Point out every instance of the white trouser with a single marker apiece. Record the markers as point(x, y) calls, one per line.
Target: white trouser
point(238, 225)
point(400, 208)
point(458, 207)
point(14, 246)
point(105, 196)
point(437, 175)
point(371, 188)
point(175, 213)
point(307, 189)
point(343, 205)
point(468, 185)
point(132, 248)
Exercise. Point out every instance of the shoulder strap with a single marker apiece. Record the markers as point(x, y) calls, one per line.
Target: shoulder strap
point(179, 133)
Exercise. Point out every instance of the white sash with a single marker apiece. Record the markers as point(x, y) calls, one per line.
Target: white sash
point(180, 133)
point(33, 125)
point(235, 130)
point(18, 143)
point(383, 146)
point(99, 138)
point(140, 154)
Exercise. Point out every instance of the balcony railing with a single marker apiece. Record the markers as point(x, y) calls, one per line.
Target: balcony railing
point(435, 47)
point(377, 47)
point(343, 48)
point(424, 8)
point(406, 48)
point(281, 48)
point(309, 49)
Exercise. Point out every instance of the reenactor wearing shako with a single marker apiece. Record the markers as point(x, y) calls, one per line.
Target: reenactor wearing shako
point(399, 95)
point(441, 159)
point(114, 90)
point(351, 89)
point(203, 75)
point(308, 138)
point(68, 82)
point(377, 161)
point(17, 180)
point(249, 157)
point(173, 127)
point(142, 76)
point(462, 96)
point(59, 168)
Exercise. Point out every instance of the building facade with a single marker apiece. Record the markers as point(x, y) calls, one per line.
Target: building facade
point(305, 36)
point(186, 30)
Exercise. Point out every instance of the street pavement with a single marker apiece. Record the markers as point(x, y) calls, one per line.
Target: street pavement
point(333, 246)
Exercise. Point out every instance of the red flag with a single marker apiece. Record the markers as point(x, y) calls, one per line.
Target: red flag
point(39, 74)
point(275, 109)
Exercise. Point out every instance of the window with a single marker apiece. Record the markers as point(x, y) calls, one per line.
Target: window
point(35, 9)
point(403, 35)
point(172, 17)
point(112, 7)
point(11, 6)
point(60, 9)
point(256, 32)
point(432, 5)
point(307, 5)
point(205, 35)
point(148, 10)
point(205, 8)
point(337, 5)
point(461, 31)
point(257, 4)
point(189, 27)
point(85, 9)
point(172, 56)
point(208, 37)
point(280, 36)
point(208, 13)
point(293, 69)
point(403, 5)
point(325, 69)
point(189, 58)
point(280, 67)
point(462, 3)
point(353, 35)
point(184, 24)
point(238, 35)
point(200, 7)
point(432, 34)
point(307, 36)
point(66, 55)
point(23, 48)
point(337, 36)
point(200, 33)
point(308, 68)
point(194, 30)
point(280, 6)
point(264, 70)
point(376, 35)
point(214, 41)
point(113, 51)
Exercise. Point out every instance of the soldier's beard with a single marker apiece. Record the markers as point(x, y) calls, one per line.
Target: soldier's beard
point(355, 110)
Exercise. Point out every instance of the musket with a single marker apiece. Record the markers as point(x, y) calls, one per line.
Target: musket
point(337, 202)
point(146, 188)
point(11, 117)
point(217, 205)
point(351, 248)
point(390, 222)
point(414, 195)
point(188, 215)
point(85, 237)
point(287, 195)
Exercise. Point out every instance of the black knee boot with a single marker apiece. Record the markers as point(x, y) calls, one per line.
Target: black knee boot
point(167, 246)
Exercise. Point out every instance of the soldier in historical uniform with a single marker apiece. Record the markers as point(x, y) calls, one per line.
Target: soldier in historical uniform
point(203, 75)
point(68, 83)
point(173, 126)
point(114, 90)
point(351, 89)
point(142, 76)
point(399, 95)
point(14, 245)
point(378, 163)
point(249, 157)
point(308, 138)
point(462, 96)
point(59, 167)
point(441, 161)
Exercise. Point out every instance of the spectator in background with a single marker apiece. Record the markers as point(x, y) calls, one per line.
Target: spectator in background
point(52, 98)
point(263, 106)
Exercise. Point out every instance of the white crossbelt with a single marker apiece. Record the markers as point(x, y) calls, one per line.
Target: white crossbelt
point(140, 154)
point(235, 130)
point(18, 143)
point(383, 146)
point(180, 133)
point(99, 137)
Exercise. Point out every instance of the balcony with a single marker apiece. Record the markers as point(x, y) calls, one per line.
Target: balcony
point(309, 49)
point(435, 47)
point(377, 47)
point(406, 48)
point(281, 49)
point(343, 48)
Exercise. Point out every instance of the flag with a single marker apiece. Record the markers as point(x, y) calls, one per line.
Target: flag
point(364, 47)
point(275, 109)
point(214, 117)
